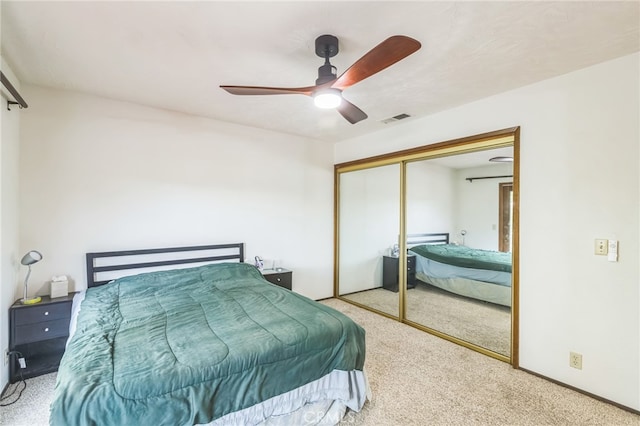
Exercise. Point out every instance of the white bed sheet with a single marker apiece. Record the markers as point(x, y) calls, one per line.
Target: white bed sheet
point(437, 269)
point(479, 290)
point(321, 402)
point(75, 310)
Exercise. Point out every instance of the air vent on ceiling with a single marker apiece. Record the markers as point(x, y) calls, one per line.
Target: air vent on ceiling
point(395, 118)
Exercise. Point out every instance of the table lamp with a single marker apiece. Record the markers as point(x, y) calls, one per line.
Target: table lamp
point(29, 259)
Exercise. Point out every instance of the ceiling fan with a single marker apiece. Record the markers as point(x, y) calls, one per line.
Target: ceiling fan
point(327, 92)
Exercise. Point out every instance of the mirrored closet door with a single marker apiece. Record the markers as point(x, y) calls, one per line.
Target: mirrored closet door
point(453, 273)
point(368, 220)
point(454, 228)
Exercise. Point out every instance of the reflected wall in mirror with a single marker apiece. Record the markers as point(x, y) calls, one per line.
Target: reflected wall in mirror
point(368, 220)
point(458, 217)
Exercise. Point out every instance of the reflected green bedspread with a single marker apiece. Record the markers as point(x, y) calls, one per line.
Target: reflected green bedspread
point(189, 346)
point(465, 257)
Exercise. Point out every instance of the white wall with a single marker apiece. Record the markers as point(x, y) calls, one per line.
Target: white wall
point(98, 175)
point(477, 207)
point(579, 181)
point(431, 198)
point(9, 250)
point(369, 220)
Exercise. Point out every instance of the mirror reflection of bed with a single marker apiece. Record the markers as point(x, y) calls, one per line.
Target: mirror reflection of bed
point(470, 286)
point(470, 302)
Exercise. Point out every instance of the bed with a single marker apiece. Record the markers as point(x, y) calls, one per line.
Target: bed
point(211, 342)
point(480, 274)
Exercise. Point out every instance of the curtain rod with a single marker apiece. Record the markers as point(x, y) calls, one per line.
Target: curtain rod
point(21, 102)
point(471, 179)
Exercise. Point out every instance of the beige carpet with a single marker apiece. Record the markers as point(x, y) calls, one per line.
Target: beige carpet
point(419, 379)
point(485, 324)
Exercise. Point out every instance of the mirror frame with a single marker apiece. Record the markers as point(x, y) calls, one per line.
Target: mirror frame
point(481, 142)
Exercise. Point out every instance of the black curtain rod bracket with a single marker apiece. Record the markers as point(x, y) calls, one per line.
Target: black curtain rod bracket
point(19, 99)
point(9, 103)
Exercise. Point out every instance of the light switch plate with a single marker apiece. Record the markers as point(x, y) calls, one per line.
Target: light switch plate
point(601, 247)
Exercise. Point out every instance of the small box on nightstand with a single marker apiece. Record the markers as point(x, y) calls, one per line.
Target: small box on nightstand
point(59, 287)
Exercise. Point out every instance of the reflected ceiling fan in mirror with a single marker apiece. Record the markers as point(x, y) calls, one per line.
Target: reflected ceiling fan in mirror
point(327, 92)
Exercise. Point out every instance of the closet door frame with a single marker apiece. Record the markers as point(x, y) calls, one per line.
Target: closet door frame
point(496, 139)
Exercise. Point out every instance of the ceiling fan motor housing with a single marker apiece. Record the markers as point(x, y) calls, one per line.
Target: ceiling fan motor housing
point(326, 47)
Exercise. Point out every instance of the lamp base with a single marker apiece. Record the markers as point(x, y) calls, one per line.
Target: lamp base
point(31, 301)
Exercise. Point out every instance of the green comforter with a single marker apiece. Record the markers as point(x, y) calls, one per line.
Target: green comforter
point(465, 257)
point(189, 346)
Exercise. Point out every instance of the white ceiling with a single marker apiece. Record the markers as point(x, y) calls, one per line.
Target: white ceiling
point(174, 55)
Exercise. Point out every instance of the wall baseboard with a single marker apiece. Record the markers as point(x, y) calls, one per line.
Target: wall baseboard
point(599, 398)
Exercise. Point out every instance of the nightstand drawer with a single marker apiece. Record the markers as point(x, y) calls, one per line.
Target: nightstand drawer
point(49, 312)
point(390, 274)
point(282, 278)
point(41, 331)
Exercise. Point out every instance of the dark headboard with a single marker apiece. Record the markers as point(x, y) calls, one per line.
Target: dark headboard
point(433, 238)
point(156, 258)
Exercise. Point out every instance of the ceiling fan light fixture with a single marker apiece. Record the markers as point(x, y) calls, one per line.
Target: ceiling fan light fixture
point(501, 159)
point(327, 98)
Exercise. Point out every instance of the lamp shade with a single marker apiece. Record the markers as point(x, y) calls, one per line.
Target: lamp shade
point(33, 256)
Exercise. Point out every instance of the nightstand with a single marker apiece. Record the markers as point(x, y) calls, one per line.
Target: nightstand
point(279, 276)
point(39, 332)
point(390, 272)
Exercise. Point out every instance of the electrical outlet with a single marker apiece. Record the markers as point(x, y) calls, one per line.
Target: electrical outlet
point(6, 357)
point(575, 360)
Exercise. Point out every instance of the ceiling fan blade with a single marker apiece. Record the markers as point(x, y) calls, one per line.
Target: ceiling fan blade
point(258, 90)
point(385, 54)
point(350, 112)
